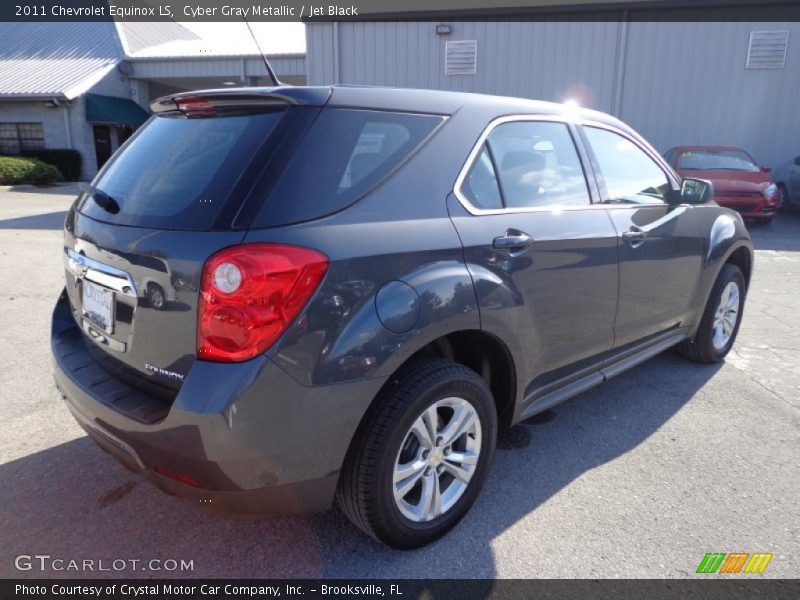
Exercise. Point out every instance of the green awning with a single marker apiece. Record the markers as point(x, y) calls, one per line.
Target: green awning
point(117, 111)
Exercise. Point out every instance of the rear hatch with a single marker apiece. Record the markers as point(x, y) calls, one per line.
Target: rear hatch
point(137, 238)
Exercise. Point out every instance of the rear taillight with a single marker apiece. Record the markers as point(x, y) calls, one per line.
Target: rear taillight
point(249, 295)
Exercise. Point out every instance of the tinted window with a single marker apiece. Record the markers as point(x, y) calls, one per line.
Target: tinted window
point(344, 155)
point(538, 164)
point(630, 175)
point(178, 173)
point(480, 185)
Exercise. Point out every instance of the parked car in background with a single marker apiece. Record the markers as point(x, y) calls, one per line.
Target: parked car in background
point(739, 182)
point(787, 178)
point(372, 281)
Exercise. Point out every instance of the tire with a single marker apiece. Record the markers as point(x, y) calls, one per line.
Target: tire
point(385, 442)
point(155, 296)
point(704, 347)
point(785, 201)
point(764, 221)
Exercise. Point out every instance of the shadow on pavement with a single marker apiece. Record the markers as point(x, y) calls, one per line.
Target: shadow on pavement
point(74, 501)
point(782, 234)
point(53, 220)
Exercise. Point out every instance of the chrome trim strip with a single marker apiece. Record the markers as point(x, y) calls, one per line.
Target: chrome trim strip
point(567, 119)
point(102, 274)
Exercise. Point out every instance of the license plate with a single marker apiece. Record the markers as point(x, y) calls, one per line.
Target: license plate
point(98, 306)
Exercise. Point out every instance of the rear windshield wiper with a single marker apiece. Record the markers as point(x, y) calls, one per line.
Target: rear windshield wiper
point(102, 199)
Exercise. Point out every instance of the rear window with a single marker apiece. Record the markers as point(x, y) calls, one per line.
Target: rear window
point(178, 173)
point(345, 154)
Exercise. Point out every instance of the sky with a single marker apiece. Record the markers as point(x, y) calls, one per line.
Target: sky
point(274, 38)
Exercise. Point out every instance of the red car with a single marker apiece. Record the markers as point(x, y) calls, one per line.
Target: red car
point(739, 183)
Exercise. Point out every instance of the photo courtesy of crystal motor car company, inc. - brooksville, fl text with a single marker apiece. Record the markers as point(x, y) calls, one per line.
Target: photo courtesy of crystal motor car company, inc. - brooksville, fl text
point(418, 299)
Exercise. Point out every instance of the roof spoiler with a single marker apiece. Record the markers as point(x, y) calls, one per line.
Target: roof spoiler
point(206, 103)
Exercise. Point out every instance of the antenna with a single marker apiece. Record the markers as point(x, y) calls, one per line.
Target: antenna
point(270, 72)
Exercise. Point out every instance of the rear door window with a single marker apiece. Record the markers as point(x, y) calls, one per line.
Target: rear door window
point(527, 164)
point(178, 173)
point(345, 154)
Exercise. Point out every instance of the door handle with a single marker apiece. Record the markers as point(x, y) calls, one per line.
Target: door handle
point(516, 242)
point(634, 236)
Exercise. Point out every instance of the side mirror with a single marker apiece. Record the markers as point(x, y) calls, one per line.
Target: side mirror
point(696, 191)
point(766, 169)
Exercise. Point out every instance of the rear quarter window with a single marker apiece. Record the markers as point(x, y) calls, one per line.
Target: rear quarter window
point(345, 155)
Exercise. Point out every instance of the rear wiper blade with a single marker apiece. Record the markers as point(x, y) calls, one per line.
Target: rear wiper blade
point(102, 199)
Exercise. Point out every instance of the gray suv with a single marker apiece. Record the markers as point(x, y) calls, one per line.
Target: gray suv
point(358, 286)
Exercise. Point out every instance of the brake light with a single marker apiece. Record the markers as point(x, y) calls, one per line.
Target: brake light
point(249, 295)
point(196, 106)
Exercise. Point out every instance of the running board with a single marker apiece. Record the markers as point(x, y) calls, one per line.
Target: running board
point(570, 386)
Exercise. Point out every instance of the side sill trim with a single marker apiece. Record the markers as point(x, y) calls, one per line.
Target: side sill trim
point(608, 369)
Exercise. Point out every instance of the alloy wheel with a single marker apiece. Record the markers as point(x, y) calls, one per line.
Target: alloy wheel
point(437, 459)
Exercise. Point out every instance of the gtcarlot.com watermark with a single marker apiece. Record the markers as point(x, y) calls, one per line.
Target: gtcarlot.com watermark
point(46, 562)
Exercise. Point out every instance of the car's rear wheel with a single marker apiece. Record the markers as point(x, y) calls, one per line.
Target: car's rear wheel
point(422, 454)
point(721, 319)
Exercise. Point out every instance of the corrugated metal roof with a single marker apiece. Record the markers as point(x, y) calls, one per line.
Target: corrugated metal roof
point(55, 59)
point(139, 36)
point(67, 59)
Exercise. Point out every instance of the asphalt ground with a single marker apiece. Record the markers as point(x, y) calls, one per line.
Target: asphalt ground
point(637, 478)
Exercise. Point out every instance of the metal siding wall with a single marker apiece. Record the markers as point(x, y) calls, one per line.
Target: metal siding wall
point(319, 53)
point(686, 83)
point(683, 82)
point(550, 61)
point(224, 67)
point(543, 60)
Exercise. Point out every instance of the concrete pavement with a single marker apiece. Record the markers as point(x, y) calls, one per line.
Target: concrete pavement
point(637, 478)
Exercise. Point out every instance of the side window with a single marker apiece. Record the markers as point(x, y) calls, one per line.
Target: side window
point(537, 165)
point(630, 175)
point(344, 156)
point(480, 185)
point(669, 156)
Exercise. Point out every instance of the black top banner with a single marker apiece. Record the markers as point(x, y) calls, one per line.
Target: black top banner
point(385, 10)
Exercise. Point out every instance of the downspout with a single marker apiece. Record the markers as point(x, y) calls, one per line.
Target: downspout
point(622, 51)
point(67, 125)
point(336, 52)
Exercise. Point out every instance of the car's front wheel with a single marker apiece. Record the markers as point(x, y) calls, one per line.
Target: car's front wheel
point(721, 319)
point(422, 454)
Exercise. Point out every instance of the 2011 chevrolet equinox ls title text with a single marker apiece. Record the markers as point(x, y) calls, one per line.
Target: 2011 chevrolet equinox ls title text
point(278, 298)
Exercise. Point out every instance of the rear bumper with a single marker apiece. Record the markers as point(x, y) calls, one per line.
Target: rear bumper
point(242, 437)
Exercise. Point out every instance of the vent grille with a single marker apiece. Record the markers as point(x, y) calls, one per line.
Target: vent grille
point(767, 49)
point(461, 58)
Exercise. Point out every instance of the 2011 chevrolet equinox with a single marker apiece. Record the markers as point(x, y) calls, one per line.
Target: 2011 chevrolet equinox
point(280, 297)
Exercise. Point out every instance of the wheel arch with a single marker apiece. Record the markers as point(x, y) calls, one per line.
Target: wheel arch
point(476, 349)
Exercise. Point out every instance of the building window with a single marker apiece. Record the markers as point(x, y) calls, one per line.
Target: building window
point(17, 137)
